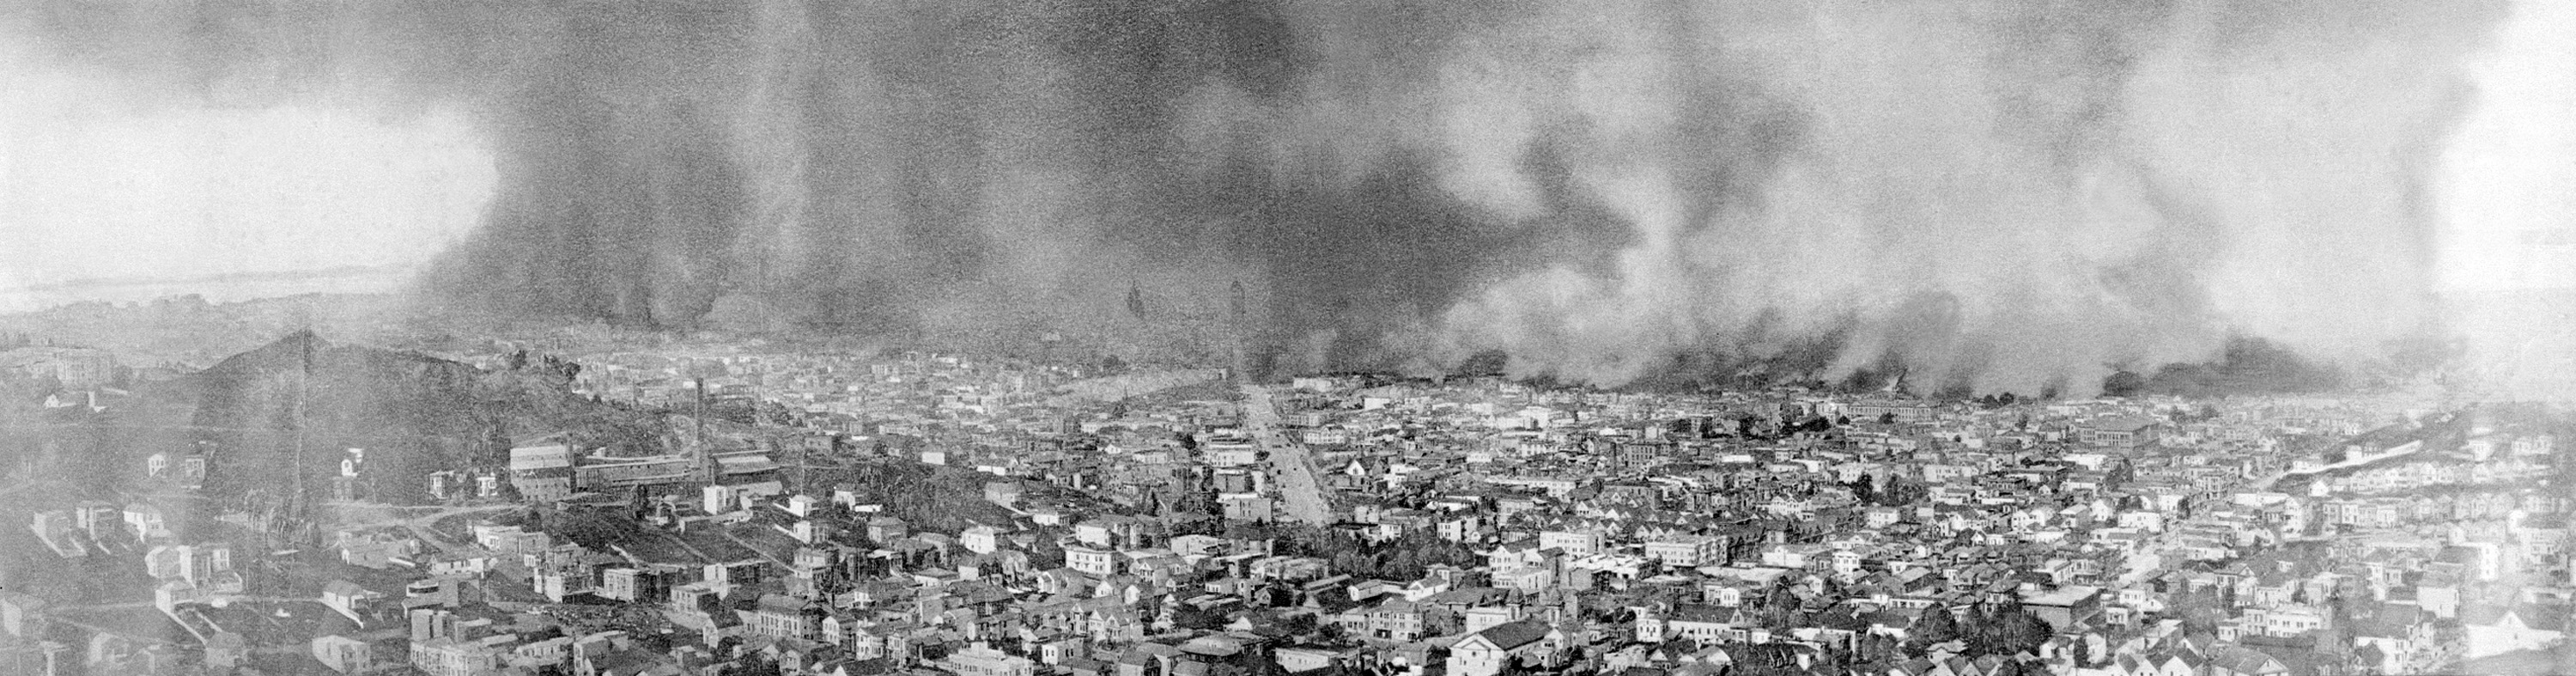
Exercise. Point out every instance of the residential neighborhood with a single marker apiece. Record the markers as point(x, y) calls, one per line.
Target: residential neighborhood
point(918, 512)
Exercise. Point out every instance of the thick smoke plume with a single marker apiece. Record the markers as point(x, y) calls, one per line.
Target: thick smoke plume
point(1990, 193)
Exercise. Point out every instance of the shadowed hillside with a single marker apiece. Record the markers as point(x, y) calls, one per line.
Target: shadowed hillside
point(414, 414)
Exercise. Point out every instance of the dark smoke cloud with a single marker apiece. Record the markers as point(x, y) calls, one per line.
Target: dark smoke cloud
point(1990, 193)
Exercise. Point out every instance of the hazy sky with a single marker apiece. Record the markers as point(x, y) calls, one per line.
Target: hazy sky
point(1999, 192)
point(106, 196)
point(2509, 174)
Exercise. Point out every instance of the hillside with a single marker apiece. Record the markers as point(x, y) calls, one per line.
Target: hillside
point(414, 414)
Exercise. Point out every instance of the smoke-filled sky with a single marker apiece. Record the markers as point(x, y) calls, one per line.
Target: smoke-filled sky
point(1993, 192)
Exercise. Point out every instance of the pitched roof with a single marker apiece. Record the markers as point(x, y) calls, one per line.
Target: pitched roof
point(2243, 660)
point(1512, 635)
point(1703, 613)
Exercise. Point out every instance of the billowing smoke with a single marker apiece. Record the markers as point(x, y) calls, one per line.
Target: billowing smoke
point(1991, 193)
point(2509, 195)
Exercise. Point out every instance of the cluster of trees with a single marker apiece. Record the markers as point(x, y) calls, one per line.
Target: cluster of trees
point(1782, 608)
point(2181, 415)
point(1996, 628)
point(742, 411)
point(1785, 659)
point(929, 497)
point(549, 365)
point(1404, 558)
point(1816, 424)
point(752, 665)
point(1794, 659)
point(1899, 491)
point(1780, 659)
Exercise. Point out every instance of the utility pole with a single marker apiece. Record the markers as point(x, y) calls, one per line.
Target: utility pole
point(698, 452)
point(300, 504)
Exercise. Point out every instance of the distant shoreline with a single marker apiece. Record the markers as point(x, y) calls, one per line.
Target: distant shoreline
point(217, 288)
point(335, 272)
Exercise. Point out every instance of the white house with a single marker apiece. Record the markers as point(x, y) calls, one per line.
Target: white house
point(1486, 653)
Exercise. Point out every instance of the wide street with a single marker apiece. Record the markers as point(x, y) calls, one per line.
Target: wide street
point(1292, 467)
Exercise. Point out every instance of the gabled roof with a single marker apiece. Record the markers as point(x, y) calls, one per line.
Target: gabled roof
point(2243, 660)
point(1513, 635)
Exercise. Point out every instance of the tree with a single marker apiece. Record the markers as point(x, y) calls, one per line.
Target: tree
point(1934, 627)
point(1331, 634)
point(1299, 624)
point(2120, 473)
point(1768, 659)
point(1833, 590)
point(1194, 617)
point(1878, 648)
point(1268, 664)
point(1903, 491)
point(752, 666)
point(1350, 562)
point(2006, 629)
point(1834, 661)
point(1783, 594)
